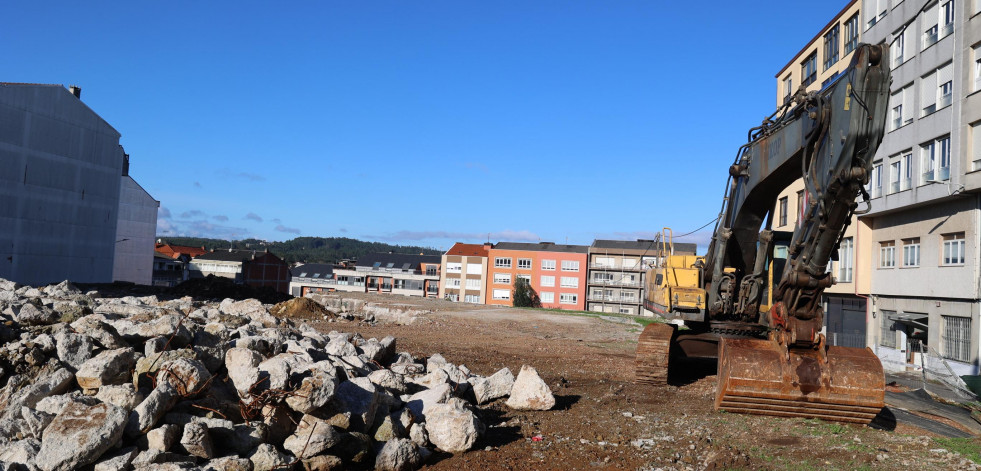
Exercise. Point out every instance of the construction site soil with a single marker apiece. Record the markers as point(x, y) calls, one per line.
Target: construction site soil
point(602, 420)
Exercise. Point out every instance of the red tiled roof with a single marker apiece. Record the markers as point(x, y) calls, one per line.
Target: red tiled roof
point(173, 251)
point(467, 250)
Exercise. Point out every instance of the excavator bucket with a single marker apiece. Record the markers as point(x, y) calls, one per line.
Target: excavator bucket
point(760, 377)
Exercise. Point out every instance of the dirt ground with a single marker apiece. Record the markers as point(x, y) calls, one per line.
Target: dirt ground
point(602, 420)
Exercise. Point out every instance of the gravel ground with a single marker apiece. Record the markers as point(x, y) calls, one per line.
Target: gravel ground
point(604, 421)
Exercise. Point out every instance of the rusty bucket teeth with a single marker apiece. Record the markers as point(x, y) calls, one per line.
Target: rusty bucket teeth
point(654, 354)
point(760, 377)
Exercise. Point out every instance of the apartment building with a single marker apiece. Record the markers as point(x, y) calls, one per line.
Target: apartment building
point(312, 278)
point(923, 240)
point(393, 273)
point(556, 272)
point(617, 268)
point(465, 273)
point(815, 66)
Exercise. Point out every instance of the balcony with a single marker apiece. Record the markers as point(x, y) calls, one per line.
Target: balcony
point(930, 37)
point(927, 177)
point(612, 299)
point(945, 100)
point(894, 187)
point(614, 267)
point(946, 30)
point(624, 283)
point(943, 174)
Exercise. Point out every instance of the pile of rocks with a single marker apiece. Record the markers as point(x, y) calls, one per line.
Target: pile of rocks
point(140, 383)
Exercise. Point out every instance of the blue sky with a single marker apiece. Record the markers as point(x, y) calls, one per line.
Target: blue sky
point(421, 122)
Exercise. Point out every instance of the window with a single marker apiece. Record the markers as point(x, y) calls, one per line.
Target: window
point(946, 91)
point(899, 48)
point(524, 264)
point(943, 173)
point(502, 294)
point(931, 26)
point(547, 297)
point(569, 282)
point(788, 88)
point(565, 298)
point(548, 264)
point(887, 254)
point(502, 262)
point(808, 69)
point(957, 338)
point(629, 262)
point(851, 34)
point(876, 180)
point(928, 162)
point(454, 267)
point(606, 262)
point(570, 265)
point(875, 11)
point(471, 298)
point(846, 259)
point(828, 80)
point(888, 334)
point(475, 268)
point(901, 112)
point(524, 277)
point(946, 18)
point(936, 89)
point(831, 47)
point(453, 297)
point(895, 175)
point(911, 252)
point(452, 282)
point(907, 181)
point(800, 205)
point(975, 141)
point(502, 278)
point(473, 283)
point(897, 116)
point(953, 249)
point(783, 212)
point(928, 93)
point(548, 281)
point(977, 64)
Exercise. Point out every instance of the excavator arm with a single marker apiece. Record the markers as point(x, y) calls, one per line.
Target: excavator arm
point(828, 138)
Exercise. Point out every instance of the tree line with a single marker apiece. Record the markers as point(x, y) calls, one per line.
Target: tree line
point(305, 249)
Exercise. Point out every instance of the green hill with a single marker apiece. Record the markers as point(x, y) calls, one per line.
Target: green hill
point(306, 249)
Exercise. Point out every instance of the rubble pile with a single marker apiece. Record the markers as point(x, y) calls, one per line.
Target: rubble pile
point(139, 383)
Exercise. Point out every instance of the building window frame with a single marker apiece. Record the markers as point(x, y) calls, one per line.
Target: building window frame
point(911, 252)
point(831, 41)
point(887, 254)
point(502, 278)
point(524, 264)
point(568, 298)
point(548, 265)
point(846, 260)
point(851, 34)
point(957, 338)
point(887, 336)
point(782, 212)
point(808, 69)
point(547, 281)
point(502, 262)
point(570, 265)
point(953, 247)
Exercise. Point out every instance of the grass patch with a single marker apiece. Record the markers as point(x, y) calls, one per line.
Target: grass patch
point(969, 448)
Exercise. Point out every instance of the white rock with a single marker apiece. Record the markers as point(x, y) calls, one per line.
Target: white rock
point(124, 396)
point(313, 436)
point(314, 392)
point(108, 367)
point(399, 454)
point(267, 458)
point(120, 461)
point(79, 435)
point(187, 376)
point(418, 435)
point(163, 437)
point(196, 441)
point(420, 402)
point(494, 386)
point(360, 397)
point(146, 415)
point(74, 349)
point(19, 452)
point(243, 368)
point(530, 392)
point(452, 428)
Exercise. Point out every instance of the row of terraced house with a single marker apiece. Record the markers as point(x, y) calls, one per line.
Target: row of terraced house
point(607, 276)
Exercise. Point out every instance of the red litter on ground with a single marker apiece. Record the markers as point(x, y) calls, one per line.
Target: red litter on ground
point(536, 438)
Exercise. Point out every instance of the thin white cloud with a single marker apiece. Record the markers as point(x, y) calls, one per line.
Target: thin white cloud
point(253, 216)
point(289, 230)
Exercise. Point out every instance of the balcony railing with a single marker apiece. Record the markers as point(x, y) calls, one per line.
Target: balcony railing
point(894, 187)
point(930, 37)
point(603, 266)
point(613, 299)
point(927, 176)
point(943, 173)
point(945, 100)
point(632, 284)
point(946, 30)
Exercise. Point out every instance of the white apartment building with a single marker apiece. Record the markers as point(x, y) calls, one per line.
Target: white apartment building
point(923, 242)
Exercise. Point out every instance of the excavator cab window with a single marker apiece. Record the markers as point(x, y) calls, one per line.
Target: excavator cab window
point(658, 279)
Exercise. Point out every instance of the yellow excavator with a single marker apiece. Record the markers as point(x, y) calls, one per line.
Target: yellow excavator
point(753, 302)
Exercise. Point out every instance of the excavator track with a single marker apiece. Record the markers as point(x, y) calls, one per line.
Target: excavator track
point(654, 354)
point(760, 377)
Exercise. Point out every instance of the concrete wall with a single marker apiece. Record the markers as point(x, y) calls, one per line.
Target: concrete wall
point(60, 169)
point(135, 234)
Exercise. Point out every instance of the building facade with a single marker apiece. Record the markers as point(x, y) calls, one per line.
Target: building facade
point(924, 238)
point(616, 272)
point(135, 234)
point(312, 278)
point(394, 273)
point(250, 267)
point(556, 272)
point(465, 273)
point(60, 175)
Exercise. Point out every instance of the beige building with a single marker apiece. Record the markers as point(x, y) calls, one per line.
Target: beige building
point(465, 274)
point(819, 63)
